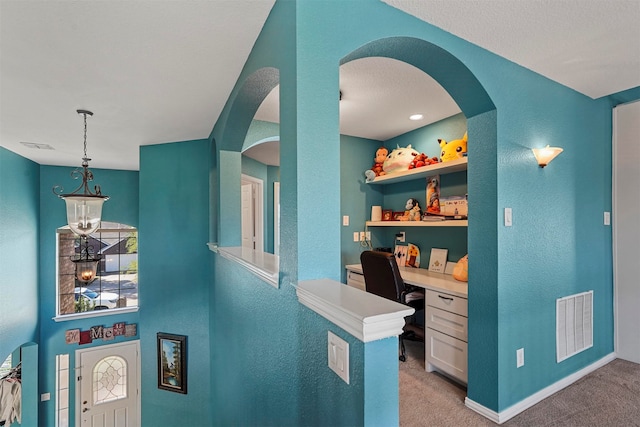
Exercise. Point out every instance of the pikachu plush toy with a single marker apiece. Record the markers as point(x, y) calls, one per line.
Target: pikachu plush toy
point(455, 149)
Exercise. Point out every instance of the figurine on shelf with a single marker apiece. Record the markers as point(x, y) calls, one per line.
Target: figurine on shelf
point(377, 168)
point(412, 211)
point(433, 194)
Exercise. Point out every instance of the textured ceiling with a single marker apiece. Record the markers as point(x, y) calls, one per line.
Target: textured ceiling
point(592, 46)
point(161, 71)
point(151, 72)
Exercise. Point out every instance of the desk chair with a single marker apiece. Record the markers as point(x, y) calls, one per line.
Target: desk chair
point(382, 278)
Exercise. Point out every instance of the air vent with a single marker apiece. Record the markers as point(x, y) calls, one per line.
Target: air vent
point(37, 146)
point(574, 324)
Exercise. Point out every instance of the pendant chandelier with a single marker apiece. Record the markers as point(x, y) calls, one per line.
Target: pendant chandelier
point(84, 210)
point(86, 262)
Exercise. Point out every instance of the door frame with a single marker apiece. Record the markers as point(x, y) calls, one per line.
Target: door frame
point(78, 390)
point(625, 316)
point(258, 213)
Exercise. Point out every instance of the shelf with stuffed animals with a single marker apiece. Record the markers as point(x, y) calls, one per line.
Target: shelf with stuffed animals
point(404, 164)
point(439, 223)
point(451, 166)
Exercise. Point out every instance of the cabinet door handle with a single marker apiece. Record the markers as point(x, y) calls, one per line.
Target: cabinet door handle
point(445, 298)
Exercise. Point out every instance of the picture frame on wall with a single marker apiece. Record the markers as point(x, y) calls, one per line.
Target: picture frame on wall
point(172, 362)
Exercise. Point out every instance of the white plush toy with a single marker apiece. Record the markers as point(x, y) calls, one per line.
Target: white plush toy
point(399, 159)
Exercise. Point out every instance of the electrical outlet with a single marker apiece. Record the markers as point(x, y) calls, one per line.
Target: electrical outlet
point(400, 237)
point(607, 218)
point(520, 357)
point(362, 236)
point(355, 236)
point(368, 235)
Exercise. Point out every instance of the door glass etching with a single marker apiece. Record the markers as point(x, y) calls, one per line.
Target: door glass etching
point(109, 380)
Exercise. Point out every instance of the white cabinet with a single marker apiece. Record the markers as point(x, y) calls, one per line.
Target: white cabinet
point(356, 280)
point(446, 334)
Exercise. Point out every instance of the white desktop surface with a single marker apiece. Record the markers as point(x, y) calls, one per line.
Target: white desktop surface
point(424, 278)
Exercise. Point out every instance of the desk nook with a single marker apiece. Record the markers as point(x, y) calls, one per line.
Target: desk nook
point(440, 190)
point(445, 317)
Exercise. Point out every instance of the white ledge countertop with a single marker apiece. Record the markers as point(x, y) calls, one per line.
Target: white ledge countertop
point(366, 316)
point(263, 264)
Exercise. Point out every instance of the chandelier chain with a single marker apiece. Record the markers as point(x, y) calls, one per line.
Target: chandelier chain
point(85, 134)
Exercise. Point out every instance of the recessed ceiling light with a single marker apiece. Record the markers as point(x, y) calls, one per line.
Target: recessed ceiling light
point(37, 146)
point(416, 117)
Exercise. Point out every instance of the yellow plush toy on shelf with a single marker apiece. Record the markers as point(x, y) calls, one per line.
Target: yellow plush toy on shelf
point(455, 149)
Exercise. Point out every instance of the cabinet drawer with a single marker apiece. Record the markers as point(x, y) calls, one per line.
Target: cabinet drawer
point(448, 323)
point(445, 354)
point(356, 280)
point(447, 302)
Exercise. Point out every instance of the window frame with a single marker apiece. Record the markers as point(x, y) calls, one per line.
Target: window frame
point(118, 228)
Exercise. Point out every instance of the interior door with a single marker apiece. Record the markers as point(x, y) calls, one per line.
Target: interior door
point(109, 386)
point(247, 216)
point(276, 218)
point(626, 230)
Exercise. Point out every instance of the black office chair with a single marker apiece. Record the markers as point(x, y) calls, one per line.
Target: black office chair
point(382, 278)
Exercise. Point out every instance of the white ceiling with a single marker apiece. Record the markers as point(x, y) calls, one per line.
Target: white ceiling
point(160, 71)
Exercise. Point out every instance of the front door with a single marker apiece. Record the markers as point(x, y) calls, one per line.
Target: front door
point(108, 386)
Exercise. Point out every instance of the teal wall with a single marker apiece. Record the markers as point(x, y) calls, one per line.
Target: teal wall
point(260, 131)
point(356, 197)
point(19, 206)
point(174, 274)
point(122, 187)
point(19, 209)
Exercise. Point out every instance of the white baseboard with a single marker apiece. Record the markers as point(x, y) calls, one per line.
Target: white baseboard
point(512, 411)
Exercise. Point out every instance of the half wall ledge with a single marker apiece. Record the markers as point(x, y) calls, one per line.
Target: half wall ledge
point(264, 265)
point(366, 316)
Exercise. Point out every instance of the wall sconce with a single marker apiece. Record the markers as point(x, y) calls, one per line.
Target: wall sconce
point(546, 154)
point(84, 210)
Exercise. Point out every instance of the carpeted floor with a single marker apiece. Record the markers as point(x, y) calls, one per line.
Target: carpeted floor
point(609, 396)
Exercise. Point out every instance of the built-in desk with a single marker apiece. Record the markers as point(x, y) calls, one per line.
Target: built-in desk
point(422, 278)
point(445, 317)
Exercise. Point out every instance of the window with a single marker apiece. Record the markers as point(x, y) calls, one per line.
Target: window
point(116, 283)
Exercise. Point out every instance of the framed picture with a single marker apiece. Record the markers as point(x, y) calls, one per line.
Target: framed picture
point(387, 215)
point(397, 216)
point(438, 260)
point(172, 362)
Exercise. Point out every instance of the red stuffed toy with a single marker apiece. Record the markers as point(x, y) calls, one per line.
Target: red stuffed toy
point(422, 160)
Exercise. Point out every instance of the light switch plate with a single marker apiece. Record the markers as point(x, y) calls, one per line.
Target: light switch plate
point(607, 218)
point(345, 220)
point(520, 357)
point(508, 218)
point(338, 356)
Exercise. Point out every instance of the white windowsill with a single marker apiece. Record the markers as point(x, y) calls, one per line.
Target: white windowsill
point(95, 313)
point(366, 316)
point(264, 265)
